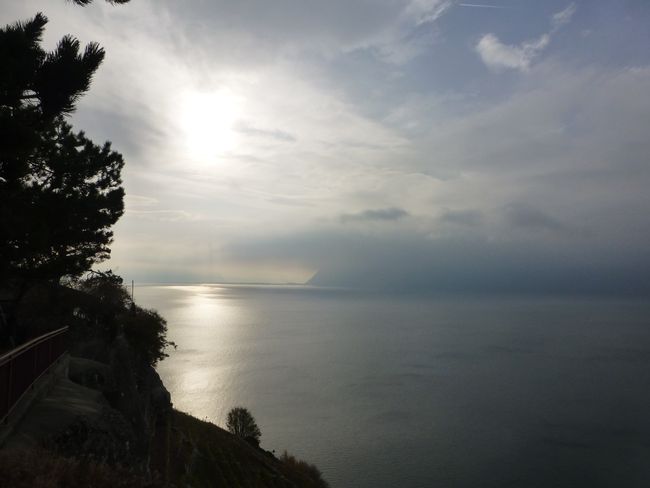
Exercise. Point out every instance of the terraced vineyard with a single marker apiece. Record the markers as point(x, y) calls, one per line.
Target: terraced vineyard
point(200, 454)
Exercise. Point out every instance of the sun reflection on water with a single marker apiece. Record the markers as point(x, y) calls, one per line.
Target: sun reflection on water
point(203, 372)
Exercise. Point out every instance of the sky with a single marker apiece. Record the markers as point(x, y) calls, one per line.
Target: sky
point(409, 144)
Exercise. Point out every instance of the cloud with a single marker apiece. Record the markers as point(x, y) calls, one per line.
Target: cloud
point(568, 147)
point(495, 54)
point(498, 55)
point(564, 16)
point(276, 134)
point(480, 5)
point(137, 202)
point(469, 218)
point(406, 261)
point(427, 11)
point(412, 34)
point(381, 214)
point(337, 126)
point(163, 215)
point(525, 216)
point(257, 30)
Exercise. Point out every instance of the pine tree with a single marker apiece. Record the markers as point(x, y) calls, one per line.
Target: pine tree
point(59, 192)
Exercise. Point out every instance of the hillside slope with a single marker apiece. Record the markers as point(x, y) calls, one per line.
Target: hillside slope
point(200, 454)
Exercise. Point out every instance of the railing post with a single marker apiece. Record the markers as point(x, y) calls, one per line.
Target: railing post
point(10, 385)
point(35, 363)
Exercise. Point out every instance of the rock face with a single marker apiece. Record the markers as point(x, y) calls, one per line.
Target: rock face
point(137, 405)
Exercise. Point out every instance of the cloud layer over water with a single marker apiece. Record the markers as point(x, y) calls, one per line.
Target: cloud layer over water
point(416, 144)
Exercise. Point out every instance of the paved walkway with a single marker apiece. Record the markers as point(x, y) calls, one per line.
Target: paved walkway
point(57, 409)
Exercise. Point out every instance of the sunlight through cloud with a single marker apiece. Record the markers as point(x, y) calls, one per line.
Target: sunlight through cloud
point(207, 121)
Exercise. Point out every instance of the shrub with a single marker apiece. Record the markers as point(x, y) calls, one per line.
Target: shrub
point(307, 475)
point(145, 330)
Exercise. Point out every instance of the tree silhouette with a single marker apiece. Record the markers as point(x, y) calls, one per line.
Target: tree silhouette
point(60, 216)
point(36, 87)
point(145, 330)
point(242, 424)
point(59, 192)
point(63, 74)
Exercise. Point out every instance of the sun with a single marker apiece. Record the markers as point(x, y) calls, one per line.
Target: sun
point(208, 122)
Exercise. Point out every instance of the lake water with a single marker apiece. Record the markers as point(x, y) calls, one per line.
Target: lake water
point(396, 391)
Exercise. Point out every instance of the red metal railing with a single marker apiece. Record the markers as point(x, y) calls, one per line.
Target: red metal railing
point(21, 367)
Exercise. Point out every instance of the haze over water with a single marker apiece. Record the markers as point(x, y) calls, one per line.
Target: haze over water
point(414, 391)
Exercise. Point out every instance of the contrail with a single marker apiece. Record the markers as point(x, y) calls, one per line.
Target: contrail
point(479, 5)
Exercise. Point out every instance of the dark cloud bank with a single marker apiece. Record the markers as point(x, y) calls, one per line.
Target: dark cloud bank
point(411, 263)
point(381, 214)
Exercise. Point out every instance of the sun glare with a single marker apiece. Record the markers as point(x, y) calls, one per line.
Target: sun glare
point(208, 123)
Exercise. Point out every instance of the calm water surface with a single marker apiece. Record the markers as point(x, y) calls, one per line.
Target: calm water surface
point(385, 391)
